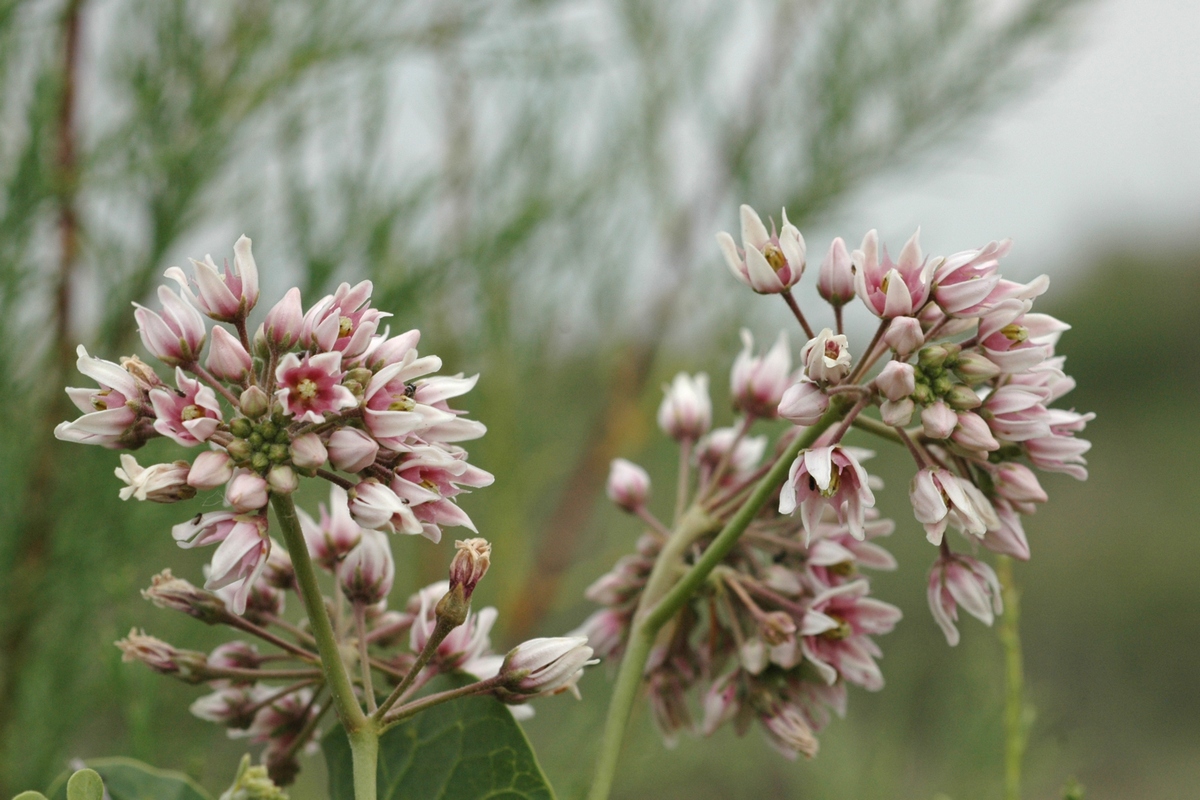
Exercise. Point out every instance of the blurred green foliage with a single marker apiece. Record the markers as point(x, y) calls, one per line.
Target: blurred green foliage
point(536, 186)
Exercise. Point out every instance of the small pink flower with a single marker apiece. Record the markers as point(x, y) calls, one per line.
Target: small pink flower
point(336, 535)
point(890, 289)
point(227, 359)
point(788, 731)
point(113, 413)
point(1008, 539)
point(377, 507)
point(803, 403)
point(159, 483)
point(964, 282)
point(686, 410)
point(940, 497)
point(211, 469)
point(767, 264)
point(175, 337)
point(343, 322)
point(385, 351)
point(189, 416)
point(721, 703)
point(757, 383)
point(826, 357)
point(939, 420)
point(973, 433)
point(1062, 451)
point(227, 297)
point(241, 556)
point(231, 706)
point(1019, 485)
point(1016, 415)
point(835, 281)
point(391, 414)
point(369, 570)
point(836, 634)
point(352, 450)
point(310, 389)
point(958, 580)
point(628, 485)
point(546, 666)
point(285, 321)
point(467, 643)
point(827, 476)
point(746, 456)
point(1016, 340)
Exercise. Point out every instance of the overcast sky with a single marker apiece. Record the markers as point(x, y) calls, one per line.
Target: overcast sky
point(1107, 148)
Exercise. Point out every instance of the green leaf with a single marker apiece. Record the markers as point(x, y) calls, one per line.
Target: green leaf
point(467, 749)
point(85, 785)
point(30, 796)
point(127, 779)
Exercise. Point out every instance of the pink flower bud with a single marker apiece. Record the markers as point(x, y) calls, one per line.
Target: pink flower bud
point(254, 402)
point(940, 497)
point(235, 655)
point(352, 450)
point(246, 492)
point(628, 485)
point(890, 289)
point(285, 321)
point(336, 535)
point(227, 297)
point(227, 359)
point(789, 732)
point(308, 451)
point(210, 470)
point(176, 594)
point(974, 434)
point(939, 420)
point(803, 403)
point(897, 413)
point(1018, 484)
point(757, 383)
point(377, 507)
point(686, 410)
point(972, 368)
point(897, 380)
point(231, 706)
point(159, 483)
point(471, 561)
point(835, 282)
point(546, 666)
point(282, 479)
point(720, 702)
point(368, 572)
point(160, 656)
point(826, 357)
point(904, 335)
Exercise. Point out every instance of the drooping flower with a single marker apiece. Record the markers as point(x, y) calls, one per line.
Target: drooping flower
point(827, 476)
point(115, 415)
point(176, 337)
point(242, 554)
point(159, 483)
point(939, 497)
point(757, 383)
point(961, 581)
point(369, 570)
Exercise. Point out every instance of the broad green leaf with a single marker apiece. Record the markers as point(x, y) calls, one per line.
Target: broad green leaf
point(85, 785)
point(467, 749)
point(30, 796)
point(127, 779)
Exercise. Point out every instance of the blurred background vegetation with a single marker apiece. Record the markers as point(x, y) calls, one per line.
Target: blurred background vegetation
point(536, 184)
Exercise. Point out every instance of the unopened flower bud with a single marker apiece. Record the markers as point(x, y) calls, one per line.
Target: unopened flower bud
point(1018, 484)
point(835, 282)
point(896, 381)
point(939, 420)
point(282, 479)
point(357, 380)
point(227, 359)
point(803, 403)
point(231, 706)
point(904, 335)
point(160, 656)
point(753, 655)
point(933, 356)
point(176, 594)
point(686, 409)
point(628, 485)
point(352, 450)
point(211, 469)
point(285, 321)
point(973, 368)
point(776, 627)
point(974, 434)
point(721, 700)
point(471, 561)
point(757, 383)
point(368, 572)
point(246, 492)
point(826, 357)
point(546, 666)
point(961, 398)
point(897, 413)
point(308, 451)
point(254, 402)
point(235, 655)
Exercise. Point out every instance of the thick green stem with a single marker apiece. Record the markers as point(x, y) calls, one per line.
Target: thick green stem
point(322, 630)
point(364, 752)
point(653, 612)
point(1016, 714)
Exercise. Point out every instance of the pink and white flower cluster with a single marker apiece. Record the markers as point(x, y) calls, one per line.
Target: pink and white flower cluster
point(963, 374)
point(320, 393)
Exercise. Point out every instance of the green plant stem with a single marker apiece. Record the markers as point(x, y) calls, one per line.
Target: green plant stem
point(1014, 696)
point(441, 630)
point(876, 427)
point(362, 731)
point(653, 612)
point(417, 706)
